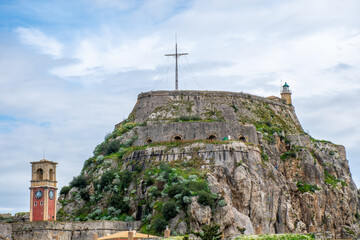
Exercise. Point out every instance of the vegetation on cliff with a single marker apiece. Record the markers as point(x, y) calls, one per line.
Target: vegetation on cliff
point(283, 181)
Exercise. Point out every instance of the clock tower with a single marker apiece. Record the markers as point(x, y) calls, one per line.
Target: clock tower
point(43, 191)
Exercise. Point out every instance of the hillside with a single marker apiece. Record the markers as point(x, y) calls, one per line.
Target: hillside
point(189, 158)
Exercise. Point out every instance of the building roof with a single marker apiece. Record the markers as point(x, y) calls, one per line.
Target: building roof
point(286, 85)
point(124, 235)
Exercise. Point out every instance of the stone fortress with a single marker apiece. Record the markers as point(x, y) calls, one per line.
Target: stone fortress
point(212, 115)
point(271, 175)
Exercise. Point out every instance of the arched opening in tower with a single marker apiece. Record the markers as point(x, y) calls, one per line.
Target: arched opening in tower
point(51, 175)
point(39, 174)
point(148, 141)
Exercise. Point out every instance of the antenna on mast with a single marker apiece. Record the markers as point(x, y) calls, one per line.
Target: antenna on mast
point(176, 55)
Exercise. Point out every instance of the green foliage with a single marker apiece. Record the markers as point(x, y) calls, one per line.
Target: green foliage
point(117, 201)
point(169, 210)
point(317, 140)
point(205, 198)
point(331, 180)
point(106, 179)
point(331, 153)
point(64, 190)
point(209, 232)
point(304, 187)
point(264, 156)
point(175, 189)
point(289, 236)
point(84, 194)
point(357, 216)
point(159, 225)
point(78, 182)
point(235, 107)
point(187, 119)
point(288, 154)
point(222, 203)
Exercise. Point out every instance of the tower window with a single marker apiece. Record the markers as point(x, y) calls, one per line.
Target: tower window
point(39, 174)
point(35, 203)
point(41, 203)
point(212, 137)
point(51, 175)
point(242, 138)
point(177, 138)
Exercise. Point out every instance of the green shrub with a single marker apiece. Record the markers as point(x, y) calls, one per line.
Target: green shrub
point(288, 154)
point(117, 201)
point(106, 179)
point(64, 190)
point(84, 194)
point(125, 179)
point(112, 147)
point(304, 187)
point(159, 225)
point(222, 203)
point(331, 153)
point(205, 199)
point(174, 190)
point(169, 210)
point(209, 232)
point(79, 182)
point(198, 186)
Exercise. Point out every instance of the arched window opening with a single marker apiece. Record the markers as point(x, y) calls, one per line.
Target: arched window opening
point(39, 174)
point(242, 138)
point(51, 175)
point(177, 138)
point(148, 141)
point(212, 137)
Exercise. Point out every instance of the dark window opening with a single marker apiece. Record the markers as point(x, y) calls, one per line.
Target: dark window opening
point(243, 139)
point(51, 175)
point(212, 137)
point(177, 138)
point(41, 203)
point(39, 174)
point(35, 203)
point(149, 140)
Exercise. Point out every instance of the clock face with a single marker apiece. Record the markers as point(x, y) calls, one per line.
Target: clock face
point(38, 194)
point(51, 194)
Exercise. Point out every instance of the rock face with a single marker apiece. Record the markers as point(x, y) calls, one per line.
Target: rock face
point(275, 176)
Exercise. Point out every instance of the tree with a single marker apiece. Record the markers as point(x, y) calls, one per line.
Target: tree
point(209, 232)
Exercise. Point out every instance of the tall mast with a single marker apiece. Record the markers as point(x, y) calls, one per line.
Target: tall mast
point(176, 55)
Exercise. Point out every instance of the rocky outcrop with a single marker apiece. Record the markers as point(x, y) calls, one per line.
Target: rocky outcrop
point(275, 177)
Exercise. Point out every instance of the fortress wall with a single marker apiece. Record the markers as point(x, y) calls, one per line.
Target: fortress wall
point(227, 155)
point(66, 230)
point(148, 101)
point(5, 230)
point(195, 131)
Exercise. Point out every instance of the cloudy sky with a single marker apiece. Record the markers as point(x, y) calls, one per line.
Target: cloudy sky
point(70, 70)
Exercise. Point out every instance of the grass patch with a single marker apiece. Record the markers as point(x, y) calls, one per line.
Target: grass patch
point(276, 237)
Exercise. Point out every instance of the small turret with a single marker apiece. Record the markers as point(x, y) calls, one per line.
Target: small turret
point(286, 93)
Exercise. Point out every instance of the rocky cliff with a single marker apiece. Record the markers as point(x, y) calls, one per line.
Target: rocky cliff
point(188, 158)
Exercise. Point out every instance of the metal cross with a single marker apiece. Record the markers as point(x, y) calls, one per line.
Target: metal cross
point(176, 55)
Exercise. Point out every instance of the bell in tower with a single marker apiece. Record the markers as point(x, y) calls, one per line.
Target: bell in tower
point(43, 191)
point(286, 93)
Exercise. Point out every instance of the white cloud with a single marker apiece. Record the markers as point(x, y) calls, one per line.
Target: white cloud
point(35, 37)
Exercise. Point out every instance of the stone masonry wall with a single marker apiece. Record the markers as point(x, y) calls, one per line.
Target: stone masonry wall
point(149, 101)
point(64, 230)
point(193, 131)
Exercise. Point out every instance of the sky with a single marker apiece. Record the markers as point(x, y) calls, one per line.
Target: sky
point(70, 70)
